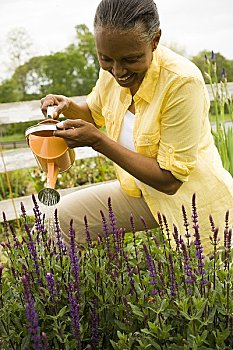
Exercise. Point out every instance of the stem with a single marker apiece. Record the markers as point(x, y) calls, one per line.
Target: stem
point(8, 334)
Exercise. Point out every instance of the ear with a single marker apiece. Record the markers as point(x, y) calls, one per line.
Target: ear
point(156, 40)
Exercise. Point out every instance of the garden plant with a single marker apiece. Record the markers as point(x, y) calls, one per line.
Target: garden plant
point(123, 291)
point(223, 104)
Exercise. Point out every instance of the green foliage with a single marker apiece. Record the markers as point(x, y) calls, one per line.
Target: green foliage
point(72, 72)
point(13, 129)
point(221, 61)
point(131, 291)
point(9, 91)
point(223, 103)
point(20, 181)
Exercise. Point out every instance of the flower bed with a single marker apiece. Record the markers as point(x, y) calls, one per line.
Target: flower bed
point(124, 291)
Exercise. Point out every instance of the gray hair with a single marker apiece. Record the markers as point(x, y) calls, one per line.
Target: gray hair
point(126, 15)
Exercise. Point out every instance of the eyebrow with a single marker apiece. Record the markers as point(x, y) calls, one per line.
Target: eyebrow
point(125, 57)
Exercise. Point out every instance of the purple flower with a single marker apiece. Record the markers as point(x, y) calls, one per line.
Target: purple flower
point(227, 219)
point(112, 218)
point(176, 237)
point(32, 251)
point(74, 314)
point(190, 277)
point(161, 277)
point(94, 324)
point(119, 242)
point(112, 221)
point(38, 222)
point(214, 239)
point(134, 235)
point(160, 222)
point(151, 269)
point(229, 238)
point(57, 231)
point(207, 59)
point(17, 244)
point(223, 74)
point(186, 225)
point(130, 274)
point(31, 314)
point(197, 241)
point(167, 230)
point(24, 214)
point(88, 236)
point(51, 286)
point(74, 257)
point(156, 241)
point(227, 232)
point(106, 234)
point(173, 284)
point(6, 231)
point(212, 56)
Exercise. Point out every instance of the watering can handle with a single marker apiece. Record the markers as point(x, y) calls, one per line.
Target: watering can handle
point(50, 111)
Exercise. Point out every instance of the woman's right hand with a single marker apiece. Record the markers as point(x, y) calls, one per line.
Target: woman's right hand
point(60, 102)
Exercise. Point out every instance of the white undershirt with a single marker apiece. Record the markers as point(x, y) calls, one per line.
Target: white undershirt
point(126, 134)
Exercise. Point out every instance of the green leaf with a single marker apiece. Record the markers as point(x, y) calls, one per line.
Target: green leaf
point(136, 311)
point(62, 312)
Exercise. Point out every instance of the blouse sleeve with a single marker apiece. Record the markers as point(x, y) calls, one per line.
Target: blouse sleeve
point(95, 103)
point(182, 119)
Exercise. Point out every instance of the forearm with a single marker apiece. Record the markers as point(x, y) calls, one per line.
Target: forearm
point(78, 111)
point(141, 167)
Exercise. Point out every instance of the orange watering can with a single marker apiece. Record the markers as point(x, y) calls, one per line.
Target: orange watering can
point(52, 154)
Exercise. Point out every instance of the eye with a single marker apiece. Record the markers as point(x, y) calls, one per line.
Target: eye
point(104, 58)
point(132, 59)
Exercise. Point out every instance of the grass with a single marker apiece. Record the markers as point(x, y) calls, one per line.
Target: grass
point(12, 138)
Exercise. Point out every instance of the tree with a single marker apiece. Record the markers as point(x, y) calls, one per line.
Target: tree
point(9, 91)
point(72, 72)
point(19, 46)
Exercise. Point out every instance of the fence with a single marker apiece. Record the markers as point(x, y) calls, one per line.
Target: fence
point(20, 158)
point(13, 144)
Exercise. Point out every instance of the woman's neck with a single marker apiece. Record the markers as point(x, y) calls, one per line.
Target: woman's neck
point(132, 107)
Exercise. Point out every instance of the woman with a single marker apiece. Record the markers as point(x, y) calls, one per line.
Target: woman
point(155, 106)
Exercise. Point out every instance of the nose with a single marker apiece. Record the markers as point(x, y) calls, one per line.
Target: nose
point(118, 70)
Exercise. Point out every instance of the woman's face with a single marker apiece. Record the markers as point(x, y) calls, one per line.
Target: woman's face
point(124, 55)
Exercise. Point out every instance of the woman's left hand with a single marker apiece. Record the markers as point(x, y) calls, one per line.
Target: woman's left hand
point(78, 133)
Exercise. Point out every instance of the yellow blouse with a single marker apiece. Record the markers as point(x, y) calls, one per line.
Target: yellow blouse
point(172, 126)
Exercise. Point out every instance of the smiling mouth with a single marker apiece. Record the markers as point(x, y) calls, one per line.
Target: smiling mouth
point(124, 79)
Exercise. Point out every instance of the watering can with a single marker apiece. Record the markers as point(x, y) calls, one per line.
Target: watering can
point(51, 153)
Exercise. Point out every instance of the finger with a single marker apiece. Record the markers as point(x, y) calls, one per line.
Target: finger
point(52, 100)
point(59, 109)
point(65, 134)
point(70, 124)
point(60, 125)
point(48, 100)
point(45, 102)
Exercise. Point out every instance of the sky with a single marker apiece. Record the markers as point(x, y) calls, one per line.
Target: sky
point(190, 25)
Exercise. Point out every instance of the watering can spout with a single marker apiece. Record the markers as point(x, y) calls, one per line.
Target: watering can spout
point(52, 174)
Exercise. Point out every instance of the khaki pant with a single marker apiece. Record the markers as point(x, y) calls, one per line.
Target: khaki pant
point(90, 200)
